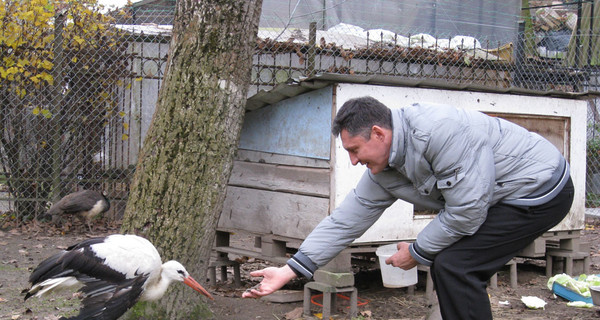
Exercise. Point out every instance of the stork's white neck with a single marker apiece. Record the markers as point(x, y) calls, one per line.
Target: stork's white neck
point(156, 288)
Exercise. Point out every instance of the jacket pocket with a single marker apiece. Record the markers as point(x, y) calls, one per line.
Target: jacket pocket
point(450, 180)
point(515, 181)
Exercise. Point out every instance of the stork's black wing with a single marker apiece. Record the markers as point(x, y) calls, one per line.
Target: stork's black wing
point(79, 201)
point(107, 301)
point(77, 261)
point(78, 258)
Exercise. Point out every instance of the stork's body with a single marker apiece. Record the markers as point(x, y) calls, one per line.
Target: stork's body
point(116, 271)
point(85, 205)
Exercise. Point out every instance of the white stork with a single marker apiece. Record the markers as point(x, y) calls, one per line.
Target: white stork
point(116, 271)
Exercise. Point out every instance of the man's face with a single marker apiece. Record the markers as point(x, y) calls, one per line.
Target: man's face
point(373, 153)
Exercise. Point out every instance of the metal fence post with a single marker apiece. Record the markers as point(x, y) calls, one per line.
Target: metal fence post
point(312, 42)
point(57, 100)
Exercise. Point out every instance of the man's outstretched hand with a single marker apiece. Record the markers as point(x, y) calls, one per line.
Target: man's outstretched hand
point(273, 280)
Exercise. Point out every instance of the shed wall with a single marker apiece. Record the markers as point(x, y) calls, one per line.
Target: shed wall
point(280, 182)
point(289, 174)
point(550, 117)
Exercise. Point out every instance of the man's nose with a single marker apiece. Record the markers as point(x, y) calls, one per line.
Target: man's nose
point(353, 159)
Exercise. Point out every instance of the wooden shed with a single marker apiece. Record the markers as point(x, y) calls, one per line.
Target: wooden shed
point(290, 172)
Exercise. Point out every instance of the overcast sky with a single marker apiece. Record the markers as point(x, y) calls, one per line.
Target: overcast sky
point(115, 3)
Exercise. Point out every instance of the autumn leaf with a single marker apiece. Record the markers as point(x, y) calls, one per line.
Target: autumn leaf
point(22, 62)
point(47, 65)
point(12, 70)
point(79, 40)
point(47, 77)
point(46, 113)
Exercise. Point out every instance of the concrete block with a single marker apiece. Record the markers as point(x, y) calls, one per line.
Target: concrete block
point(335, 279)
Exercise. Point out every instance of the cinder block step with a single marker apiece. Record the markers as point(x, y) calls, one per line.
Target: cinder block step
point(568, 257)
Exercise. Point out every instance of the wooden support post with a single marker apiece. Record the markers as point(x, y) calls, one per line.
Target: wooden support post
point(494, 281)
point(429, 290)
point(513, 275)
point(212, 276)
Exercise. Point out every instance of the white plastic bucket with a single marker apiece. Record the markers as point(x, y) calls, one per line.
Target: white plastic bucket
point(595, 291)
point(394, 277)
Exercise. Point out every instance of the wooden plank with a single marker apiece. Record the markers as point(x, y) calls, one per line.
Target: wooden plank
point(299, 180)
point(250, 253)
point(273, 158)
point(290, 242)
point(555, 129)
point(268, 212)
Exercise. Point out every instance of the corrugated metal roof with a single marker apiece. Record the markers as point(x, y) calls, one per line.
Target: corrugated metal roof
point(297, 87)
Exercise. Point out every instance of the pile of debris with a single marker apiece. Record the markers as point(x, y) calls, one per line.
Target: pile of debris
point(554, 22)
point(557, 17)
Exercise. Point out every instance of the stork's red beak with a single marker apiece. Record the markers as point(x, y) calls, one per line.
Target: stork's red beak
point(196, 286)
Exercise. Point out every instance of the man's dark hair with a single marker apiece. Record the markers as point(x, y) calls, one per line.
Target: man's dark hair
point(359, 115)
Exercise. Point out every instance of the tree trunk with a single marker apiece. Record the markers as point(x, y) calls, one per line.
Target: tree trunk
point(180, 182)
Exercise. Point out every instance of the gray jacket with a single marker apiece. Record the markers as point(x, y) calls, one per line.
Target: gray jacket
point(457, 161)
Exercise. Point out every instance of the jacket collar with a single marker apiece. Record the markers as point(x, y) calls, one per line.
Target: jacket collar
point(398, 148)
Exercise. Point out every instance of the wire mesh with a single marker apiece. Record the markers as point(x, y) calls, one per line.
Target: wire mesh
point(80, 83)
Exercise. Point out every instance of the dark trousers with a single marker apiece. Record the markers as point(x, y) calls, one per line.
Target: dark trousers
point(460, 272)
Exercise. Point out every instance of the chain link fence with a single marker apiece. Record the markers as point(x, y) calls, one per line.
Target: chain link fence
point(79, 83)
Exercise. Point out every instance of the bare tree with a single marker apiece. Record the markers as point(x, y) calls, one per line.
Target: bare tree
point(179, 186)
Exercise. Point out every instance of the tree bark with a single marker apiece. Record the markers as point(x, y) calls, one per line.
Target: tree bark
point(181, 177)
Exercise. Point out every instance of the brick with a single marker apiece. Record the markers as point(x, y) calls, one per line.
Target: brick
point(335, 279)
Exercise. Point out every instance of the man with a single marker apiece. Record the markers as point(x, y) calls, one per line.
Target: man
point(496, 185)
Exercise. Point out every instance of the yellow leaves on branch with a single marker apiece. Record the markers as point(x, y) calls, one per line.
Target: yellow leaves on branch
point(47, 65)
point(8, 73)
point(27, 36)
point(79, 39)
point(42, 76)
point(44, 112)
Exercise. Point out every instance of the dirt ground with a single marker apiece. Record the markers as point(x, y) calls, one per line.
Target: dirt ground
point(22, 248)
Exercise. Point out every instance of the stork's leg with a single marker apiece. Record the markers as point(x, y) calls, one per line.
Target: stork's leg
point(88, 222)
point(85, 222)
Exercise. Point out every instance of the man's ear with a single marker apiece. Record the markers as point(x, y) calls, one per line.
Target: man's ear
point(378, 133)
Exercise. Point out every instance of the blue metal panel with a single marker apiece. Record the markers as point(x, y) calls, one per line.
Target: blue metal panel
point(299, 126)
